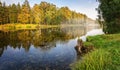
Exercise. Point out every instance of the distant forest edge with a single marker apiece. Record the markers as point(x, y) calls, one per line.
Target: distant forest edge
point(43, 13)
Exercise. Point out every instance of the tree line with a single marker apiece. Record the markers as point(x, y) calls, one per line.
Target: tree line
point(43, 13)
point(109, 10)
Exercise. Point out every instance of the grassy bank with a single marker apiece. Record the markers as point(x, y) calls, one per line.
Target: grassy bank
point(106, 56)
point(24, 26)
point(19, 26)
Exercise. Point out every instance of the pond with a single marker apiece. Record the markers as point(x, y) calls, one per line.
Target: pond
point(42, 49)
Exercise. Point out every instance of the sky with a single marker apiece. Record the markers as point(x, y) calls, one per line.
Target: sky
point(83, 6)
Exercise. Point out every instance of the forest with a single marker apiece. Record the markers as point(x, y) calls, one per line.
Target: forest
point(43, 13)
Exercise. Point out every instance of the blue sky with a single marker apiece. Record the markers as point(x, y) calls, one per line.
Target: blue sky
point(83, 6)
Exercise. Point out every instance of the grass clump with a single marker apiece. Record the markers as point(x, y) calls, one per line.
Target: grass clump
point(106, 56)
point(97, 60)
point(87, 44)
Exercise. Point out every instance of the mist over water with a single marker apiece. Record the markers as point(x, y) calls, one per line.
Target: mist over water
point(42, 49)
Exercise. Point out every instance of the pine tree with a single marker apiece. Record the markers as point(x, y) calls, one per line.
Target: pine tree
point(5, 14)
point(13, 13)
point(0, 12)
point(26, 3)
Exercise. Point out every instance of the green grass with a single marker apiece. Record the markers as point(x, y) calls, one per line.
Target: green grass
point(106, 55)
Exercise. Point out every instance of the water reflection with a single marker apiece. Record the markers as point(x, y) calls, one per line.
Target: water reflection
point(43, 49)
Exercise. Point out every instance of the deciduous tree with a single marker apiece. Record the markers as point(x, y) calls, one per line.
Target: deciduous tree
point(38, 14)
point(110, 11)
point(24, 16)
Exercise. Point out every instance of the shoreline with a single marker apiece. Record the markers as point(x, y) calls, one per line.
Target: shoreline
point(19, 26)
point(105, 56)
point(10, 27)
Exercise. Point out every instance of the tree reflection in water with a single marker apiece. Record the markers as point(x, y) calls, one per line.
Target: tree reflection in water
point(51, 48)
point(43, 38)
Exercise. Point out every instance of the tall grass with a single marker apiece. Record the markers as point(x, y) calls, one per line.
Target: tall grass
point(106, 56)
point(97, 60)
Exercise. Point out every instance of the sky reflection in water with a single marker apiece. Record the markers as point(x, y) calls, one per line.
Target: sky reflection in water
point(45, 49)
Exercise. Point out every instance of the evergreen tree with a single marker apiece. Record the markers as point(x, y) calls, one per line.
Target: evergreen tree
point(26, 3)
point(1, 12)
point(13, 13)
point(5, 14)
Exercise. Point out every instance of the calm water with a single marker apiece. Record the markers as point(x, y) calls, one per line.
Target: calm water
point(43, 49)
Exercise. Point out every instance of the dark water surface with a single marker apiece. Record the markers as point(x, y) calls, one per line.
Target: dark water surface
point(43, 49)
